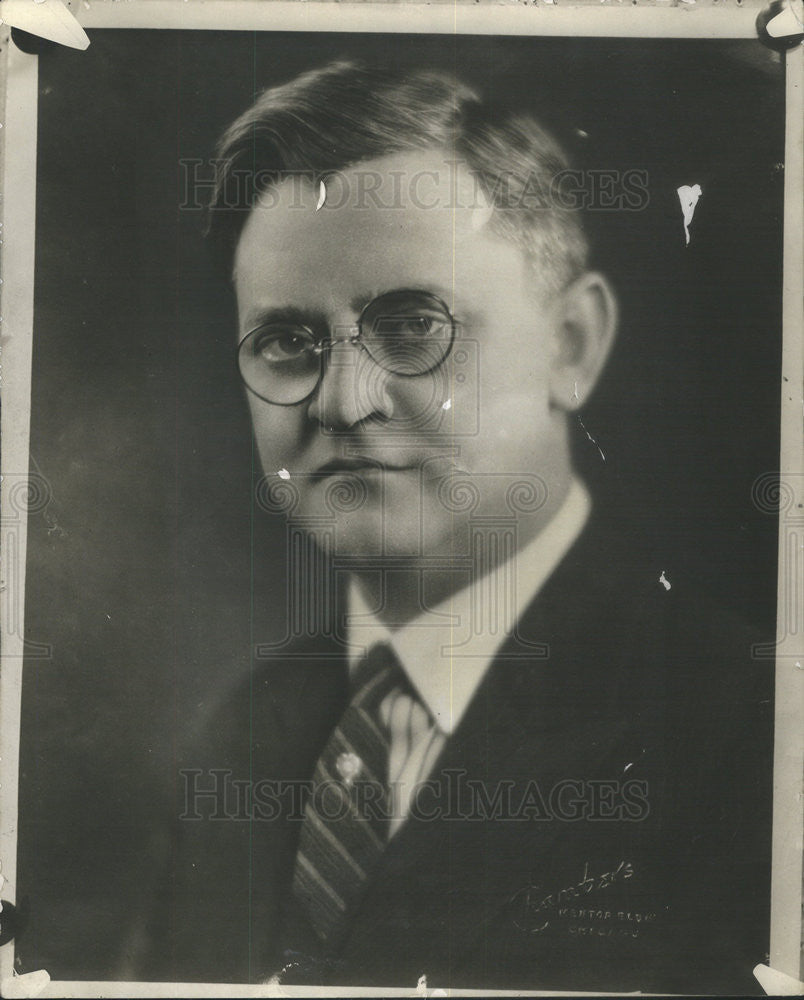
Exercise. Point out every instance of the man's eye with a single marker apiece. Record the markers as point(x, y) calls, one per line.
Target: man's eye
point(287, 345)
point(411, 327)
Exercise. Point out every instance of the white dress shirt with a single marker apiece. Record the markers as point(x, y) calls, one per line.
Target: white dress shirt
point(446, 651)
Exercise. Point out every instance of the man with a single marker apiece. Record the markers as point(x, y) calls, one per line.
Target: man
point(526, 763)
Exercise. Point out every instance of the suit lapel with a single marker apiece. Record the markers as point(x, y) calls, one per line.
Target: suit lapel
point(533, 726)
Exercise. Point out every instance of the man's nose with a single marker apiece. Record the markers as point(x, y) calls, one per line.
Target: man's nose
point(352, 388)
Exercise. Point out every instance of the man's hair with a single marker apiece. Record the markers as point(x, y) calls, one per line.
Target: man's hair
point(344, 113)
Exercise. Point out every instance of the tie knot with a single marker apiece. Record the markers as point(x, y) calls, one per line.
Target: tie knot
point(375, 675)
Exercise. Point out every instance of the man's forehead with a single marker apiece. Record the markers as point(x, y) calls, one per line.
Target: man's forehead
point(425, 179)
point(423, 194)
point(296, 250)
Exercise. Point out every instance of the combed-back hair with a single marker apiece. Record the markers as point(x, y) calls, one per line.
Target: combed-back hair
point(344, 113)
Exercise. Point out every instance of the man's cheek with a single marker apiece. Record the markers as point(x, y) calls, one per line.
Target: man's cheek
point(278, 440)
point(461, 413)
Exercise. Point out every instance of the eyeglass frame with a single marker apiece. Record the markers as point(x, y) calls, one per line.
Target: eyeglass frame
point(323, 344)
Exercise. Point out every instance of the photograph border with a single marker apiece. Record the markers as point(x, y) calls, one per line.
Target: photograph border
point(20, 493)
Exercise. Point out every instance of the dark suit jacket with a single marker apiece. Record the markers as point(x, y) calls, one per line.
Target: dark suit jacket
point(641, 746)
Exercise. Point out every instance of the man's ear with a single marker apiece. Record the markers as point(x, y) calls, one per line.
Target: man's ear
point(585, 323)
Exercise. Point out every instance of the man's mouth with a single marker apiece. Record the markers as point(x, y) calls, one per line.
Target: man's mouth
point(357, 465)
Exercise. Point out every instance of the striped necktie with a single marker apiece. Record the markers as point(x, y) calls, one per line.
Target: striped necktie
point(345, 828)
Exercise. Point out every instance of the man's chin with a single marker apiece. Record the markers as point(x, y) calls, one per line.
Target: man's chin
point(365, 517)
point(370, 533)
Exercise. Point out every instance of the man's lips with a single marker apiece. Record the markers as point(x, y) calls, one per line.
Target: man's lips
point(338, 466)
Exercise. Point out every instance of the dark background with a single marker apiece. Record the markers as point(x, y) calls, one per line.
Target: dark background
point(151, 573)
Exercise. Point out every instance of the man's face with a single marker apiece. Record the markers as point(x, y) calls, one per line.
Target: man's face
point(385, 455)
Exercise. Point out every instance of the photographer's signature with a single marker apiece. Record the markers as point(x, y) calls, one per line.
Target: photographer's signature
point(534, 907)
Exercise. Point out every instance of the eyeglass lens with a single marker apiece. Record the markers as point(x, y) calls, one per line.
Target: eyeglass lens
point(405, 332)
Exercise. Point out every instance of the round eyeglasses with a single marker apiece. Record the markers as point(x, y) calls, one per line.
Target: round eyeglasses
point(405, 332)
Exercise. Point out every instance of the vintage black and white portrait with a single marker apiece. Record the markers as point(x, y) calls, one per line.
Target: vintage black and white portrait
point(401, 508)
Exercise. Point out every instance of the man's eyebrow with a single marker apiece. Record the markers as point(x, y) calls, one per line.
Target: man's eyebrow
point(359, 302)
point(317, 320)
point(313, 318)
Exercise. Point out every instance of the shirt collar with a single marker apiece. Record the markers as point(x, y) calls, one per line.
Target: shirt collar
point(445, 653)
